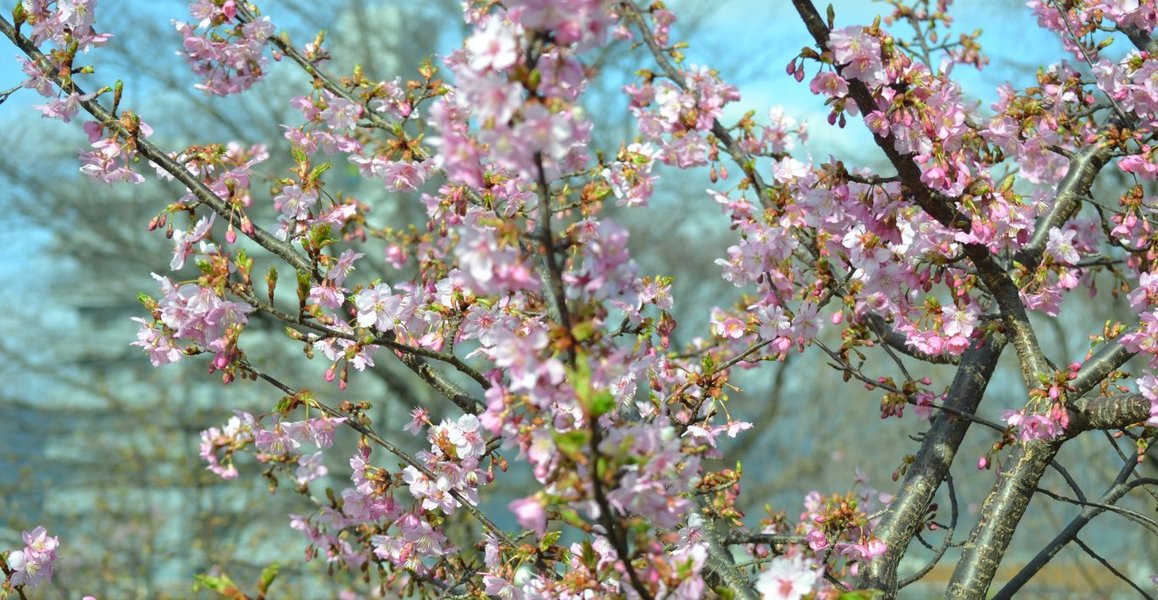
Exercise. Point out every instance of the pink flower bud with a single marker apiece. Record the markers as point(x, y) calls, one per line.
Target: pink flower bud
point(530, 514)
point(816, 540)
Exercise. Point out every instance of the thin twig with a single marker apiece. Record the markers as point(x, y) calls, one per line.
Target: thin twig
point(482, 518)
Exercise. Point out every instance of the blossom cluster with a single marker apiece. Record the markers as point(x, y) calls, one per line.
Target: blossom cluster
point(1074, 23)
point(280, 443)
point(226, 52)
point(522, 280)
point(112, 155)
point(197, 316)
point(452, 463)
point(33, 565)
point(678, 115)
point(63, 23)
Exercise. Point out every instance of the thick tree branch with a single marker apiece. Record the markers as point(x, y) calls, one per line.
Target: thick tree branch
point(1108, 412)
point(939, 552)
point(905, 515)
point(1112, 495)
point(1000, 514)
point(1074, 187)
point(1105, 361)
point(720, 560)
point(1140, 39)
point(1017, 482)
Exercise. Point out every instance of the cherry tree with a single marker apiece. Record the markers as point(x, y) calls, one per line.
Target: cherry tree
point(518, 301)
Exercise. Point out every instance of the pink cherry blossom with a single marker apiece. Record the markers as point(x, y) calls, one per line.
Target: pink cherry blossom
point(493, 46)
point(530, 514)
point(1061, 246)
point(787, 578)
point(378, 308)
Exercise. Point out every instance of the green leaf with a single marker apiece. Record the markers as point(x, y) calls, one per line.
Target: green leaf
point(271, 281)
point(299, 155)
point(317, 172)
point(221, 584)
point(602, 403)
point(571, 518)
point(321, 236)
point(581, 378)
point(303, 286)
point(583, 331)
point(708, 365)
point(285, 404)
point(1007, 183)
point(587, 555)
point(572, 442)
point(268, 574)
point(19, 16)
point(549, 539)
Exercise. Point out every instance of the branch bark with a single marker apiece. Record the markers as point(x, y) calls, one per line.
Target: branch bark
point(1112, 495)
point(1017, 482)
point(904, 516)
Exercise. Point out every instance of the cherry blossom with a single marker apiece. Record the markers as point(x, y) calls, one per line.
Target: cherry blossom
point(787, 578)
point(33, 565)
point(517, 298)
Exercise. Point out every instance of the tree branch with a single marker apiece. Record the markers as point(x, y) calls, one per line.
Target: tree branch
point(1112, 495)
point(477, 513)
point(1074, 187)
point(1016, 483)
point(1107, 412)
point(897, 341)
point(275, 246)
point(1105, 361)
point(150, 151)
point(742, 158)
point(905, 515)
point(720, 560)
point(940, 207)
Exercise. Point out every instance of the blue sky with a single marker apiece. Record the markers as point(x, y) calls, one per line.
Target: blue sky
point(750, 41)
point(767, 30)
point(771, 31)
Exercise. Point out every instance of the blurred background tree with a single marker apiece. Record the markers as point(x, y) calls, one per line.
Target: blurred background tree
point(103, 447)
